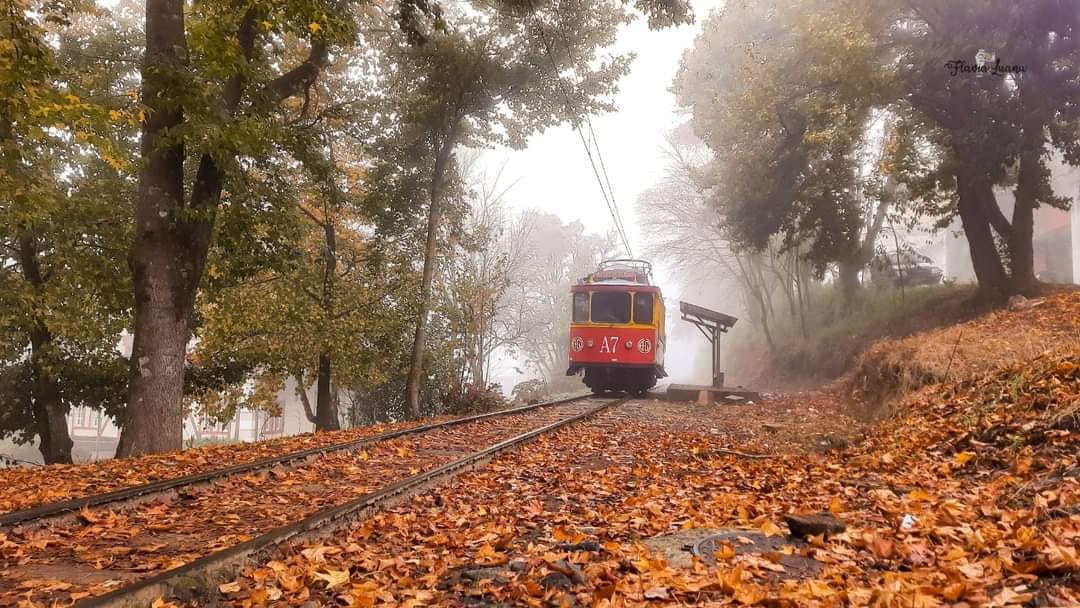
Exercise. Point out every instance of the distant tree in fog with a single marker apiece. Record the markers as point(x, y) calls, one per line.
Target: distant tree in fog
point(478, 278)
point(689, 234)
point(554, 257)
point(817, 111)
point(786, 166)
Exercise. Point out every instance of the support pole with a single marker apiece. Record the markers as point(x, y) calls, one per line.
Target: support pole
point(717, 375)
point(711, 324)
point(712, 343)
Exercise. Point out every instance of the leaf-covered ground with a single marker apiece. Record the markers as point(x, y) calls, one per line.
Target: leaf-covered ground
point(103, 548)
point(968, 499)
point(966, 496)
point(22, 488)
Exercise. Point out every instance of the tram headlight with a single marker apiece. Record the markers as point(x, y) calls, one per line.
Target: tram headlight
point(589, 343)
point(629, 344)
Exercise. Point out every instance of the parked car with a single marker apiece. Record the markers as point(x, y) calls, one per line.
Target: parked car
point(910, 268)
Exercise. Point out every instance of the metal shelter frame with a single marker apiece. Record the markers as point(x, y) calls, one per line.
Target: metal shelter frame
point(711, 324)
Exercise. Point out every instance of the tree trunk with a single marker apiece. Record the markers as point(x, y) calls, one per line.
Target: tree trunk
point(754, 292)
point(162, 272)
point(1021, 247)
point(985, 191)
point(787, 287)
point(172, 240)
point(480, 355)
point(985, 259)
point(848, 270)
point(326, 414)
point(764, 320)
point(154, 421)
point(866, 249)
point(301, 392)
point(416, 367)
point(848, 279)
point(799, 293)
point(48, 408)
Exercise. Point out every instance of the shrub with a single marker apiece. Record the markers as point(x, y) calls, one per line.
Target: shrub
point(474, 400)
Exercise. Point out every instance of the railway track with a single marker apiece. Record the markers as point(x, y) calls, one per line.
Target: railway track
point(179, 540)
point(67, 509)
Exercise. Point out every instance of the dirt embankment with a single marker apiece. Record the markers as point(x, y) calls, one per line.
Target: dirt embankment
point(1026, 330)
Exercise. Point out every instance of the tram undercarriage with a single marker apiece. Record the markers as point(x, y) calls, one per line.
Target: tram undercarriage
point(634, 380)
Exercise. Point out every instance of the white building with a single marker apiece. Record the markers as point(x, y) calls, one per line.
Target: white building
point(95, 436)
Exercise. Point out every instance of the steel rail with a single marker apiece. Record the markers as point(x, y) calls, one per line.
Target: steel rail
point(199, 579)
point(69, 508)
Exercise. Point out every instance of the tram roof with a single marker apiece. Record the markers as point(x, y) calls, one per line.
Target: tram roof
point(614, 285)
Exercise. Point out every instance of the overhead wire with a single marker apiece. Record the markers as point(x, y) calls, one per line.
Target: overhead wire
point(604, 182)
point(610, 189)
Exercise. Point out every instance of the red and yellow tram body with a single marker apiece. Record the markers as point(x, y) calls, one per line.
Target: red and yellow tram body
point(617, 328)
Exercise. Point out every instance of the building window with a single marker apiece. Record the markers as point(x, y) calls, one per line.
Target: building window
point(274, 426)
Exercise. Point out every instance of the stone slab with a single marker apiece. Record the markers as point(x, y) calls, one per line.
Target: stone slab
point(692, 392)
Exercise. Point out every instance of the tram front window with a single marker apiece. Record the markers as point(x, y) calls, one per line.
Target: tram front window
point(643, 308)
point(610, 307)
point(581, 308)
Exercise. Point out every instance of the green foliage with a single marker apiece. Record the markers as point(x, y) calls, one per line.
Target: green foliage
point(66, 125)
point(789, 98)
point(300, 143)
point(273, 324)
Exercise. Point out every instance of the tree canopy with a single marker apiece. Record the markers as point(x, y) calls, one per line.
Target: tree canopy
point(242, 193)
point(825, 117)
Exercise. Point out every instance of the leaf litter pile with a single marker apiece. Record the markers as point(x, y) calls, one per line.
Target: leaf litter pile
point(68, 561)
point(970, 499)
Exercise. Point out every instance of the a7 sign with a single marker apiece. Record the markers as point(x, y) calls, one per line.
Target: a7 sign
point(609, 345)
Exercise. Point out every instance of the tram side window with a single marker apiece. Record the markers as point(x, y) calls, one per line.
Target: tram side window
point(610, 307)
point(581, 308)
point(643, 308)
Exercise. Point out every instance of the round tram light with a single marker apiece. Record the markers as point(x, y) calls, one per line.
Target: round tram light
point(590, 343)
point(629, 344)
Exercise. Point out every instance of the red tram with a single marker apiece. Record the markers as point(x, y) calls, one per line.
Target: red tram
point(617, 328)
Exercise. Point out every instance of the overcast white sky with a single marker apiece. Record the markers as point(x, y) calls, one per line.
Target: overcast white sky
point(554, 171)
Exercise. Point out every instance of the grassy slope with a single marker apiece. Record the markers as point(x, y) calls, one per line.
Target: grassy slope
point(837, 333)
